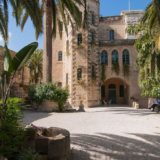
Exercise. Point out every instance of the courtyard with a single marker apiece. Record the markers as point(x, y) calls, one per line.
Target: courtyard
point(106, 133)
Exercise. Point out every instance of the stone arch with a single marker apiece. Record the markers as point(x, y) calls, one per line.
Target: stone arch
point(117, 90)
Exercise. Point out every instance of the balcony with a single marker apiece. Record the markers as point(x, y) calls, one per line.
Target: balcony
point(116, 42)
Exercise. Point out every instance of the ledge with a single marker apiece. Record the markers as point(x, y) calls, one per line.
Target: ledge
point(117, 42)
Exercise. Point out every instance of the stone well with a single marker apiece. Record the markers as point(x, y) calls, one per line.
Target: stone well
point(53, 143)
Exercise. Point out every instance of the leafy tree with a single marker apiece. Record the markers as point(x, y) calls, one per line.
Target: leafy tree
point(11, 66)
point(148, 60)
point(152, 19)
point(11, 135)
point(148, 45)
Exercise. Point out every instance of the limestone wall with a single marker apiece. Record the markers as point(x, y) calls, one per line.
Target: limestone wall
point(87, 56)
point(115, 23)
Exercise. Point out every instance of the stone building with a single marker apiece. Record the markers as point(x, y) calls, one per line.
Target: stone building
point(98, 63)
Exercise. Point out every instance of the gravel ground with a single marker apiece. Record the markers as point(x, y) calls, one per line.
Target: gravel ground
point(107, 133)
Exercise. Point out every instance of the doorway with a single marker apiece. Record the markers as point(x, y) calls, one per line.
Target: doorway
point(112, 93)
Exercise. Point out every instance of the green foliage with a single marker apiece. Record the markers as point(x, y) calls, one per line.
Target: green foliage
point(126, 69)
point(148, 51)
point(148, 62)
point(115, 68)
point(14, 100)
point(134, 29)
point(28, 155)
point(12, 65)
point(150, 86)
point(35, 66)
point(103, 72)
point(42, 92)
point(12, 134)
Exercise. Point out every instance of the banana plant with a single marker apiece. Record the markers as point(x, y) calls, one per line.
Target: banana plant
point(11, 66)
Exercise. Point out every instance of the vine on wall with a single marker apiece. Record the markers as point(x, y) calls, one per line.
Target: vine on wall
point(103, 72)
point(126, 70)
point(115, 68)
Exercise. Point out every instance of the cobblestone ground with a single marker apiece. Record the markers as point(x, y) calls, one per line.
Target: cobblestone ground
point(107, 133)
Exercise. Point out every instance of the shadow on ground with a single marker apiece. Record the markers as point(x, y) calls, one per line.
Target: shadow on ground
point(114, 147)
point(31, 116)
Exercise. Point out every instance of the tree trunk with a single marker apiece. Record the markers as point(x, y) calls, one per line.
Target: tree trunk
point(47, 56)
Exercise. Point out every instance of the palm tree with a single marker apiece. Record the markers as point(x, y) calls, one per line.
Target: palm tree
point(21, 11)
point(56, 13)
point(35, 66)
point(152, 14)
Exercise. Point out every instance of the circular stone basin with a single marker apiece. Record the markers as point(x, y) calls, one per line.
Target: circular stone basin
point(53, 142)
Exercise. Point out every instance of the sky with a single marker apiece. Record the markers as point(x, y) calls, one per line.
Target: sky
point(18, 39)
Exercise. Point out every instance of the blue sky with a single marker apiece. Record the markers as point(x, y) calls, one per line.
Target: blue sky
point(19, 39)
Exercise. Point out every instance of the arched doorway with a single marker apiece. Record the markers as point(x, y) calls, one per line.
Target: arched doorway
point(116, 91)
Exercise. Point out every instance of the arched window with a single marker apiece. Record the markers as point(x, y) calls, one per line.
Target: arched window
point(115, 57)
point(104, 57)
point(111, 35)
point(79, 73)
point(126, 58)
point(60, 56)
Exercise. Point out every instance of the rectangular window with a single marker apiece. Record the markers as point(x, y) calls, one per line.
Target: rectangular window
point(93, 19)
point(111, 35)
point(79, 39)
point(121, 91)
point(66, 79)
point(93, 72)
point(92, 37)
point(60, 56)
point(79, 73)
point(59, 84)
point(67, 47)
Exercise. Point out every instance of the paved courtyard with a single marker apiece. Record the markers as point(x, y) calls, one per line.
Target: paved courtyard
point(107, 133)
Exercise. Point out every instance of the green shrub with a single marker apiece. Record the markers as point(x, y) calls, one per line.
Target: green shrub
point(28, 155)
point(42, 92)
point(14, 100)
point(11, 131)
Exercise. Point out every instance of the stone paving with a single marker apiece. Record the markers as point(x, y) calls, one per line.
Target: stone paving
point(107, 133)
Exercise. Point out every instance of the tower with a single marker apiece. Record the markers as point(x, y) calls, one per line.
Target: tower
point(75, 59)
point(85, 62)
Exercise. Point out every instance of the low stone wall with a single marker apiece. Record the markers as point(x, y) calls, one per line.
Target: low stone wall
point(48, 106)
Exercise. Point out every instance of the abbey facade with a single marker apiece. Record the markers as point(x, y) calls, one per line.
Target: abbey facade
point(98, 63)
